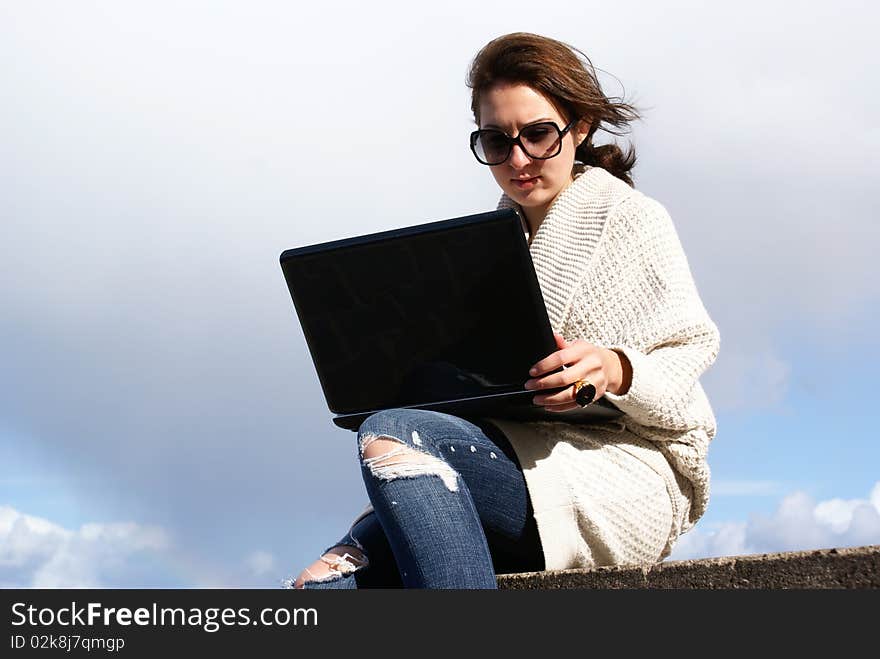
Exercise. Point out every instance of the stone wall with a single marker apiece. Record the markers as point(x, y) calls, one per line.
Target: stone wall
point(852, 567)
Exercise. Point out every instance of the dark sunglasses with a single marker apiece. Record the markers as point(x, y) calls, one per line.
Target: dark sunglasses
point(540, 141)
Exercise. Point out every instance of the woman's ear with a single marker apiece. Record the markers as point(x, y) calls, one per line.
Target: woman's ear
point(582, 130)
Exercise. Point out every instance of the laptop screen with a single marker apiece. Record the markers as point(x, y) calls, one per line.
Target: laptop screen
point(434, 312)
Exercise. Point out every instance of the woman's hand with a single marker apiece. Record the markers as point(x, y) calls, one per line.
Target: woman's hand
point(605, 369)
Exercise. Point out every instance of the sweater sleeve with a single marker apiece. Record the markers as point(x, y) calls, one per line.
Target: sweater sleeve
point(671, 340)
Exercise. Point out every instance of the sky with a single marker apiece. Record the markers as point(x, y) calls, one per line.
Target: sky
point(161, 421)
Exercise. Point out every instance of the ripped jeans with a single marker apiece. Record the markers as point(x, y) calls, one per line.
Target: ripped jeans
point(450, 508)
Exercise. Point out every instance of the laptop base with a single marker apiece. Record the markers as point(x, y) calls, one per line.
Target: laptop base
point(518, 407)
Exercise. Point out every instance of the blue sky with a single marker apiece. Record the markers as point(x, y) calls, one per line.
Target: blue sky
point(161, 423)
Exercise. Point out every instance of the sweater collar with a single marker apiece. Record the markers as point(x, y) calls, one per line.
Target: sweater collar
point(578, 180)
point(561, 246)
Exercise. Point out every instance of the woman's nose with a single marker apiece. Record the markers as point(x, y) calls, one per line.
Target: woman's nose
point(518, 157)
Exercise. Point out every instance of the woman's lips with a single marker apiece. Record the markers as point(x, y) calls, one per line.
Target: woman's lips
point(525, 184)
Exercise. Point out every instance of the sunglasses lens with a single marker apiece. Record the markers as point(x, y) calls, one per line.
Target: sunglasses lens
point(541, 140)
point(491, 146)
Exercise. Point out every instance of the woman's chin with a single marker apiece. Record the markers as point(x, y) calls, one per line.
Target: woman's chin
point(526, 197)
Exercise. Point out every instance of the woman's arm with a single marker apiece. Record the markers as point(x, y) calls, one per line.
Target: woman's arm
point(673, 338)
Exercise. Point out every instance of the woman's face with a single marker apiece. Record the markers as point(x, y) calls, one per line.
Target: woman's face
point(530, 182)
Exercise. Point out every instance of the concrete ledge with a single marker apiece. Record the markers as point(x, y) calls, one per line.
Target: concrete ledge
point(851, 567)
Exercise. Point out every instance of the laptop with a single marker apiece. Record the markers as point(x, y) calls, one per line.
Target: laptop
point(444, 316)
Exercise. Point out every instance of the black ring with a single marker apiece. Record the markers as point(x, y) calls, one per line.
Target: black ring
point(585, 395)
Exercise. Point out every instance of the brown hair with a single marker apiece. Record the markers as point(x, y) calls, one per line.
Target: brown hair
point(553, 68)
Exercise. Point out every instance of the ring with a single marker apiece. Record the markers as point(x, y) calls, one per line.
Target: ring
point(584, 392)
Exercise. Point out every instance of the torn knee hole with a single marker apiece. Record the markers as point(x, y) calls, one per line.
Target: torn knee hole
point(345, 563)
point(389, 458)
point(388, 451)
point(338, 565)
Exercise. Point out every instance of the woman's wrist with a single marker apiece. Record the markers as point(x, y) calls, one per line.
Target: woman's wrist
point(619, 372)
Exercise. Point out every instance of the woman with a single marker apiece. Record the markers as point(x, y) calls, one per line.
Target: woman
point(455, 501)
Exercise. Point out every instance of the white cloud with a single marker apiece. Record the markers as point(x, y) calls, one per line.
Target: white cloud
point(799, 523)
point(837, 514)
point(260, 563)
point(35, 552)
point(725, 540)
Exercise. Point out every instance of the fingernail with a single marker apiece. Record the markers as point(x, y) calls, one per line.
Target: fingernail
point(529, 384)
point(533, 371)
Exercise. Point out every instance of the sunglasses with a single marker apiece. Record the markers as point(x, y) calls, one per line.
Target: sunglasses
point(540, 141)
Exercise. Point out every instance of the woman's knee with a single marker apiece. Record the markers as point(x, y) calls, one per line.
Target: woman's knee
point(426, 431)
point(399, 443)
point(405, 425)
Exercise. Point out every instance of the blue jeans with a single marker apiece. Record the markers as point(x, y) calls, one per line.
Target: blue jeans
point(454, 518)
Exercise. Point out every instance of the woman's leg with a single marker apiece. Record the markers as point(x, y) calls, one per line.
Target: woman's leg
point(506, 514)
point(442, 489)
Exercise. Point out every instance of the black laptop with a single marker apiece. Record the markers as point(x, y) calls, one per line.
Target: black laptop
point(443, 316)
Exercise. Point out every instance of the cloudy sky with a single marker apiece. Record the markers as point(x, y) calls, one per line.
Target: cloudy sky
point(161, 422)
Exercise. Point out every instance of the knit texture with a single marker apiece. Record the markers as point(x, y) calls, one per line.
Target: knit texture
point(612, 271)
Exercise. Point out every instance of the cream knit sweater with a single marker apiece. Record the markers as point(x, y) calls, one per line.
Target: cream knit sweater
point(612, 271)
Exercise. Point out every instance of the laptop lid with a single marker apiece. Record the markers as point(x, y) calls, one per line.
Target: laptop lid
point(447, 311)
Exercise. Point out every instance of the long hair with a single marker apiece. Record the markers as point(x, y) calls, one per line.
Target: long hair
point(553, 68)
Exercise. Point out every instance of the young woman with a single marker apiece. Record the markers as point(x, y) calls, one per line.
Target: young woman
point(453, 502)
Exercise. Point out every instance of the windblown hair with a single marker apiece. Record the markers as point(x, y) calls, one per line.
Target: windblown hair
point(553, 68)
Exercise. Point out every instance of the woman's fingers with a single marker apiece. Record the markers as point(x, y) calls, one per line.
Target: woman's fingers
point(581, 364)
point(564, 357)
point(595, 376)
point(564, 400)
